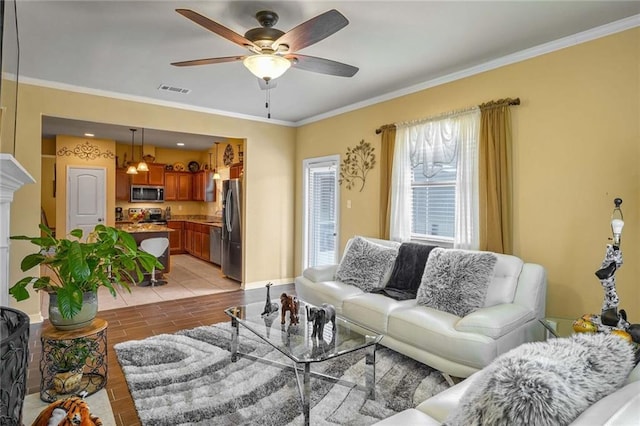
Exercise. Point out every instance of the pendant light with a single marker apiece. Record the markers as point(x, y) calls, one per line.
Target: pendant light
point(216, 175)
point(132, 167)
point(142, 165)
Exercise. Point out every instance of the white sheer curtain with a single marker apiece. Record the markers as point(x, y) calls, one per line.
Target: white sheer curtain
point(400, 217)
point(467, 231)
point(433, 143)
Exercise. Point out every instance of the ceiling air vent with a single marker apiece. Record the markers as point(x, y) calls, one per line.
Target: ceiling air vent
point(168, 88)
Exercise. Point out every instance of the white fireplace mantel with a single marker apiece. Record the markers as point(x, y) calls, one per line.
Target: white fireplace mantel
point(12, 177)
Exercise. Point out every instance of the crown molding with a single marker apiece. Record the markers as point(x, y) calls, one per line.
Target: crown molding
point(569, 41)
point(141, 99)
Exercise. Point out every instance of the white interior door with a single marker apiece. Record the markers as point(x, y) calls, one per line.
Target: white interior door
point(86, 198)
point(321, 207)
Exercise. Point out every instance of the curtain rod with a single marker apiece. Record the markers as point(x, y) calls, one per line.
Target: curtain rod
point(486, 105)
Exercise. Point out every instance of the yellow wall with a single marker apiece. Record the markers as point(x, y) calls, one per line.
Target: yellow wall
point(47, 200)
point(576, 148)
point(269, 151)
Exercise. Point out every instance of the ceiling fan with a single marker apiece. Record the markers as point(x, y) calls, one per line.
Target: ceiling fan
point(274, 51)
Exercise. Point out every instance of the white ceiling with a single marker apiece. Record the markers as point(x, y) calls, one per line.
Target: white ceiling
point(125, 48)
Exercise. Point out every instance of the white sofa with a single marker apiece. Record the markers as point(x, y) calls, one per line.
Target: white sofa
point(621, 408)
point(455, 346)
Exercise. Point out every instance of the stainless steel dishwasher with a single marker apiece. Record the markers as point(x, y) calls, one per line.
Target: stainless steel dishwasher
point(215, 245)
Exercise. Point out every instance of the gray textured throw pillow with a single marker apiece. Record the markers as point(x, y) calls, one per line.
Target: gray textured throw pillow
point(545, 383)
point(456, 281)
point(365, 264)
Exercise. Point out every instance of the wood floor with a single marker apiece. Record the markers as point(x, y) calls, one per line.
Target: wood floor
point(138, 322)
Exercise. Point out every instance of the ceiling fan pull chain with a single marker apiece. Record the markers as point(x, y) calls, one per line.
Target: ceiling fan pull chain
point(267, 103)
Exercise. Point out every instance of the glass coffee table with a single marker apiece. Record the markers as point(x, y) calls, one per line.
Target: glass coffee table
point(297, 344)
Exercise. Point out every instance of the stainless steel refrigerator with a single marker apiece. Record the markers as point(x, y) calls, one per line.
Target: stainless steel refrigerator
point(232, 229)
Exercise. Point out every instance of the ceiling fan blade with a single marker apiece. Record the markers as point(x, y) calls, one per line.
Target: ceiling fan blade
point(321, 65)
point(312, 31)
point(219, 29)
point(208, 61)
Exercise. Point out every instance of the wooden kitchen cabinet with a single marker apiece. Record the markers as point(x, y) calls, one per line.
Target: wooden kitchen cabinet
point(155, 176)
point(176, 238)
point(236, 170)
point(177, 186)
point(188, 237)
point(123, 188)
point(204, 186)
point(206, 248)
point(197, 240)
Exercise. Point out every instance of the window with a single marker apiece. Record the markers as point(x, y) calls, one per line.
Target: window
point(320, 211)
point(433, 203)
point(435, 181)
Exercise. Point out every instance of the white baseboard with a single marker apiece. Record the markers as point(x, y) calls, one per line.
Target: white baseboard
point(262, 284)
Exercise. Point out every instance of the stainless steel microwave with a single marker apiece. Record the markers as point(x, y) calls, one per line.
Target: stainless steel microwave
point(147, 194)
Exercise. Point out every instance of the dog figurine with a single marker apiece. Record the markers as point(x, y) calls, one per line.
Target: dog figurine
point(291, 304)
point(321, 316)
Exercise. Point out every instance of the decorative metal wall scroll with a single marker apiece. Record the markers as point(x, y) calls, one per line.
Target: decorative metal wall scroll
point(358, 162)
point(85, 151)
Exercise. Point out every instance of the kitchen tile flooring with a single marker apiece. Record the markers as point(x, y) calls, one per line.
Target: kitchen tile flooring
point(189, 277)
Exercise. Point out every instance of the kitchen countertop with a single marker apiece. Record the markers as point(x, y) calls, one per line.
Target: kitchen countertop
point(143, 227)
point(215, 222)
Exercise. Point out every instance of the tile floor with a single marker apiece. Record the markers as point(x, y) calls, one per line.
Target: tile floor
point(189, 277)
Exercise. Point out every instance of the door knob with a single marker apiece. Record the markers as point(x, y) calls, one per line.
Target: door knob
point(99, 219)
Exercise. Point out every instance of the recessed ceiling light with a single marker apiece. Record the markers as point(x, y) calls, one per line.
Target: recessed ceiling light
point(180, 144)
point(89, 135)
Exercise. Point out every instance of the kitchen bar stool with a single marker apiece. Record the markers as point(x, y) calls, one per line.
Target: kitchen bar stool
point(156, 247)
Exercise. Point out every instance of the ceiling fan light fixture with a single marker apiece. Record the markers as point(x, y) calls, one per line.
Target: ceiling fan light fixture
point(266, 66)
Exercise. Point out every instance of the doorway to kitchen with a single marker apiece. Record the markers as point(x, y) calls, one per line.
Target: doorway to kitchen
point(320, 211)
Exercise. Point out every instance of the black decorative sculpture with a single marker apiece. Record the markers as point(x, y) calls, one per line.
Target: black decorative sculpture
point(269, 307)
point(321, 316)
point(610, 320)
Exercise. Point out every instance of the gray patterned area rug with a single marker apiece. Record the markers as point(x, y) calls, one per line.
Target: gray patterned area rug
point(187, 378)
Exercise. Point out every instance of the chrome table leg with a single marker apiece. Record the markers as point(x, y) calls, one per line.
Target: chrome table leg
point(370, 371)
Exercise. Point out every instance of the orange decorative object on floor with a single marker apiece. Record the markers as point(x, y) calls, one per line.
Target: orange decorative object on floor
point(73, 411)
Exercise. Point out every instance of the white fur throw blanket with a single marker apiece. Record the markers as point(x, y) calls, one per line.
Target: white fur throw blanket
point(546, 383)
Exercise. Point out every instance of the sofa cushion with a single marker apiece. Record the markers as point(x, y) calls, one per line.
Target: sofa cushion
point(502, 288)
point(372, 310)
point(365, 264)
point(546, 383)
point(320, 273)
point(496, 321)
point(332, 292)
point(434, 332)
point(456, 281)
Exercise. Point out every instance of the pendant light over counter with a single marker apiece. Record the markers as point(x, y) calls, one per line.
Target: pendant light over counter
point(131, 170)
point(142, 165)
point(216, 175)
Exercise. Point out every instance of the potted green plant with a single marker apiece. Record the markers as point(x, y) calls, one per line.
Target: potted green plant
point(109, 256)
point(68, 358)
